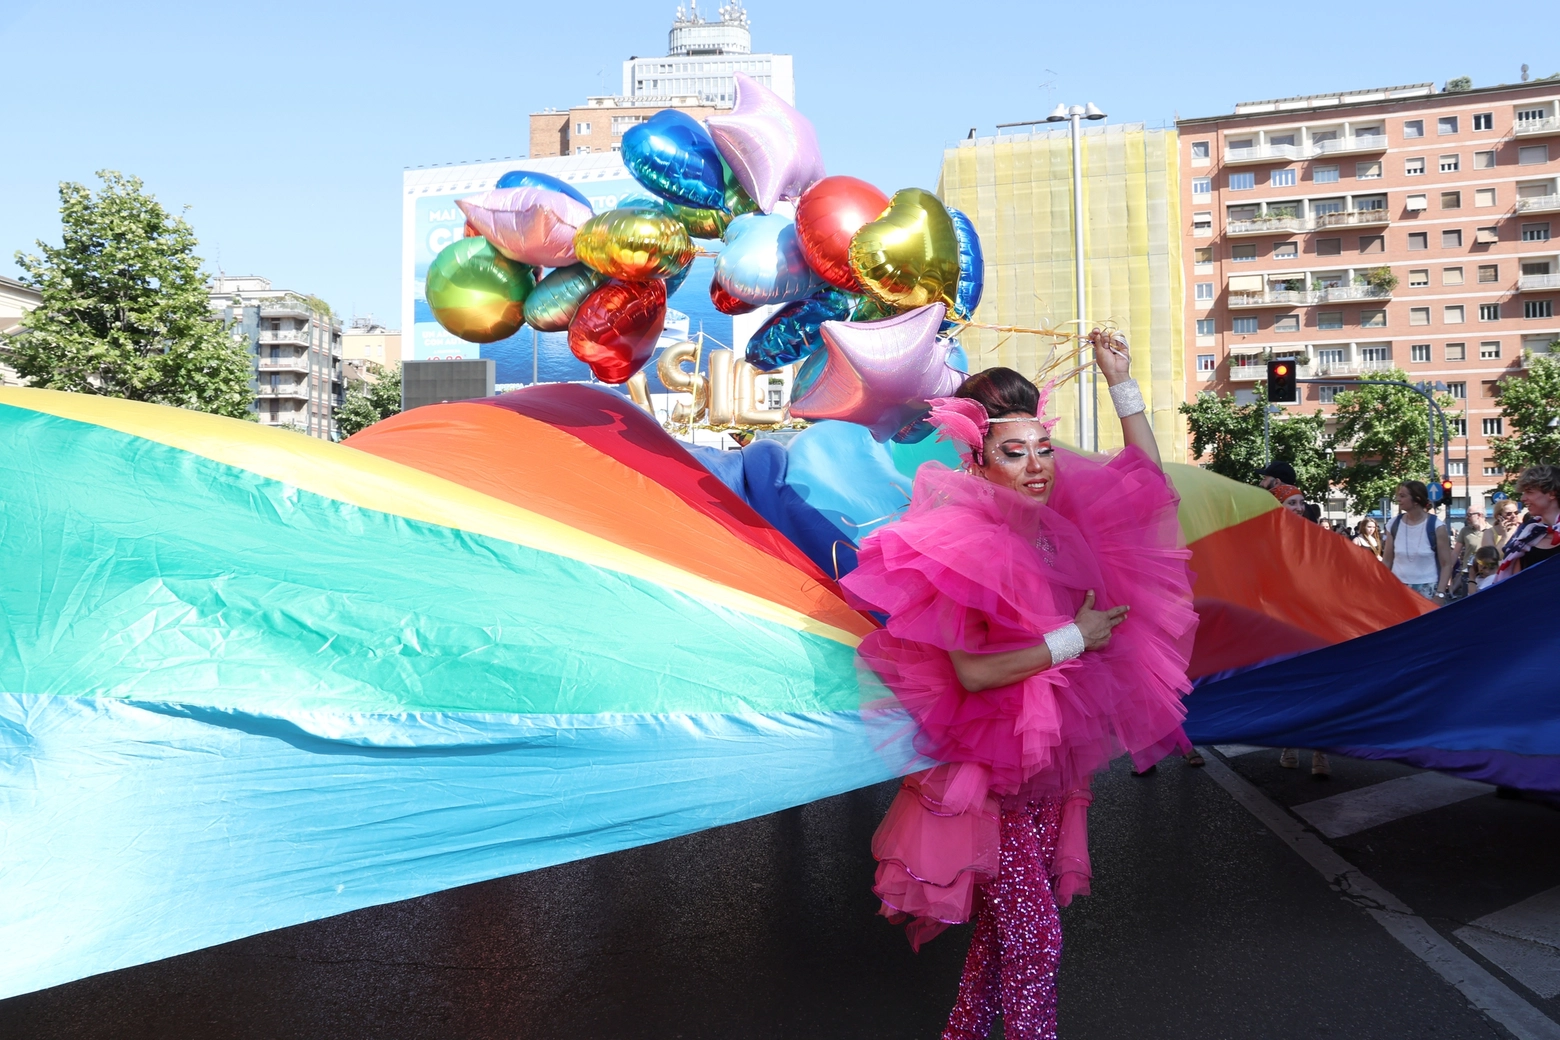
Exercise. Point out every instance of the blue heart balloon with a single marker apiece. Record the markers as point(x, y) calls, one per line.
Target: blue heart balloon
point(529, 179)
point(763, 263)
point(791, 333)
point(675, 157)
point(972, 268)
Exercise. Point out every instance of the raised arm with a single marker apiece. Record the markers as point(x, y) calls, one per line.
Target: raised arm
point(978, 672)
point(1114, 360)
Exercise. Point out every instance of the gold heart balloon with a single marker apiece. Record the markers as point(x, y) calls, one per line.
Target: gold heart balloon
point(634, 244)
point(909, 256)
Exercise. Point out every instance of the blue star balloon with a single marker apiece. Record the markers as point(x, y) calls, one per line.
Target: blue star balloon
point(529, 179)
point(674, 157)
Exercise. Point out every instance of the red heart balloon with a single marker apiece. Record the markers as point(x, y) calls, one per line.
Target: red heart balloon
point(828, 215)
point(727, 303)
point(616, 328)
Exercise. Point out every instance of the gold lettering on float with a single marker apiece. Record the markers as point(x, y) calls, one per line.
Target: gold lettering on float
point(728, 397)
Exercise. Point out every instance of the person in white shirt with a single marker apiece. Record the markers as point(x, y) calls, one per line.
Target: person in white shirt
point(1418, 548)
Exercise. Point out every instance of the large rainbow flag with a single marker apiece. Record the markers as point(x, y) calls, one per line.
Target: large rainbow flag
point(249, 679)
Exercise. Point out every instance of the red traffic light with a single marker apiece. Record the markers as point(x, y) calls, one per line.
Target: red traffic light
point(1280, 370)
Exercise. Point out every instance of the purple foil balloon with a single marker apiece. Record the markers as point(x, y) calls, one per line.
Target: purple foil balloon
point(770, 146)
point(877, 374)
point(762, 261)
point(531, 225)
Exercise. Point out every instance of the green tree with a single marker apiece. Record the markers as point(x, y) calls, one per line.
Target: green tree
point(125, 310)
point(1530, 405)
point(1385, 430)
point(370, 400)
point(1231, 435)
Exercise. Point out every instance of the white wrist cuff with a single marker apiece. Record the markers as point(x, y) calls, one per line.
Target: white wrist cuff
point(1065, 643)
point(1128, 398)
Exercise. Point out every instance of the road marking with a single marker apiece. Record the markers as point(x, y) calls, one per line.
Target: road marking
point(1523, 940)
point(1483, 990)
point(1236, 750)
point(1367, 807)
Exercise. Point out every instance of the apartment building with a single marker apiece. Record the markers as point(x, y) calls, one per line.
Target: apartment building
point(296, 343)
point(1405, 227)
point(598, 125)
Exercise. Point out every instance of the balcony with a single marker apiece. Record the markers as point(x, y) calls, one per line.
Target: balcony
point(1345, 293)
point(297, 391)
point(1535, 127)
point(1266, 226)
point(1267, 153)
point(1538, 282)
point(293, 364)
point(1353, 218)
point(297, 337)
point(1539, 204)
point(1273, 298)
point(1340, 369)
point(286, 305)
point(1357, 144)
point(1247, 373)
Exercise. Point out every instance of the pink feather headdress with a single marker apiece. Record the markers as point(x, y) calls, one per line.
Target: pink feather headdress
point(964, 421)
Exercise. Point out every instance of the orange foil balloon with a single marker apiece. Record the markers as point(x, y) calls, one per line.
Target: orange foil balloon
point(616, 328)
point(827, 217)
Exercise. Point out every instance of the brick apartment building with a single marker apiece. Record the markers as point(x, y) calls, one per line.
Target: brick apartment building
point(598, 125)
point(1398, 228)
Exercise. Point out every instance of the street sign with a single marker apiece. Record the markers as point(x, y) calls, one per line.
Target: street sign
point(1435, 493)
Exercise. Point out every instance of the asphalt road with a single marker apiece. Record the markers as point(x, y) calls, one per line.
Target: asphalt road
point(1206, 922)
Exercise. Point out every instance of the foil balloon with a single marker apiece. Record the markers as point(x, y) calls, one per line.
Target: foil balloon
point(673, 156)
point(878, 374)
point(469, 231)
point(762, 262)
point(792, 332)
point(701, 223)
point(476, 292)
point(530, 179)
point(634, 243)
point(972, 267)
point(675, 281)
point(828, 217)
point(738, 201)
point(770, 146)
point(909, 256)
point(727, 303)
point(556, 298)
point(616, 328)
point(531, 225)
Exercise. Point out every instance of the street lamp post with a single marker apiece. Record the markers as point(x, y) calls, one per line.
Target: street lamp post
point(1088, 419)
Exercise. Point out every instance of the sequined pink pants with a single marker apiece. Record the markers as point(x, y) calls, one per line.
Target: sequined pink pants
point(1017, 944)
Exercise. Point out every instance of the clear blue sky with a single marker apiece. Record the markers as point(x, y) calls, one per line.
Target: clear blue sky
point(285, 126)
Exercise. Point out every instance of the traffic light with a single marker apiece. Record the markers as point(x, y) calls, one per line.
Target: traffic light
point(1281, 386)
point(1446, 491)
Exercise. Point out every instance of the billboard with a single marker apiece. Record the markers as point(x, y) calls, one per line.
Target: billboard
point(431, 221)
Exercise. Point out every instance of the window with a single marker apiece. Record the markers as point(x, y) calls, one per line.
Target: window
point(1202, 185)
point(1451, 276)
point(1484, 160)
point(1533, 154)
point(1489, 350)
point(1538, 267)
point(1419, 240)
point(1484, 121)
point(1535, 232)
point(1282, 178)
point(1243, 181)
point(1243, 253)
point(1491, 388)
point(1373, 243)
point(1494, 471)
point(1414, 167)
point(1202, 223)
point(1459, 391)
point(1243, 326)
point(1286, 323)
point(1324, 174)
point(1419, 315)
point(622, 123)
point(1459, 426)
point(1205, 363)
point(1368, 171)
point(1456, 351)
point(1329, 246)
point(1538, 309)
point(1453, 314)
point(1529, 115)
point(1329, 320)
point(582, 149)
point(1200, 150)
point(582, 128)
point(1285, 250)
point(1450, 164)
point(1240, 213)
point(1413, 128)
point(1419, 352)
point(1419, 277)
point(1373, 319)
point(1451, 200)
point(1202, 256)
point(1205, 291)
point(1331, 355)
point(1457, 467)
point(1446, 125)
point(1492, 427)
point(1451, 238)
point(1484, 196)
point(1417, 202)
point(1489, 272)
point(1489, 312)
point(1375, 353)
point(1205, 327)
point(1283, 139)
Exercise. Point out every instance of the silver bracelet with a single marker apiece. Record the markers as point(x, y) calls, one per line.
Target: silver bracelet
point(1065, 643)
point(1128, 398)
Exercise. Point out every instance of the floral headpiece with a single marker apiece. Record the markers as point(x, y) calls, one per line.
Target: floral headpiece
point(964, 422)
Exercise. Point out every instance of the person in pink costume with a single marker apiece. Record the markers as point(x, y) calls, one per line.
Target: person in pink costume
point(1039, 623)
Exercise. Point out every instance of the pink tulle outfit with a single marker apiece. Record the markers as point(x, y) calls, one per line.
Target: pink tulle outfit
point(976, 567)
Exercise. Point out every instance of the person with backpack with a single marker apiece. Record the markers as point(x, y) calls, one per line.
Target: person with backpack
point(1417, 547)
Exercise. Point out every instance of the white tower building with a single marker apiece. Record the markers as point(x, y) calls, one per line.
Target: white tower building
point(703, 57)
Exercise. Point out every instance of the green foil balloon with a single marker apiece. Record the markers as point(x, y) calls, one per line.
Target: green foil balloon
point(634, 244)
point(701, 223)
point(476, 292)
point(909, 256)
point(552, 304)
point(738, 201)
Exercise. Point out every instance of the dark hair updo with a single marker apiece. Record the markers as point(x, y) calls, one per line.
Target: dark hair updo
point(1001, 391)
point(1417, 492)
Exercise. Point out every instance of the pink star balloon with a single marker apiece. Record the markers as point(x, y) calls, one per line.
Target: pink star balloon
point(878, 374)
point(531, 225)
point(770, 146)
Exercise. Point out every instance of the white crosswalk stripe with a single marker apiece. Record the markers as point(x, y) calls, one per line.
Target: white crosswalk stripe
point(1235, 750)
point(1372, 806)
point(1523, 941)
